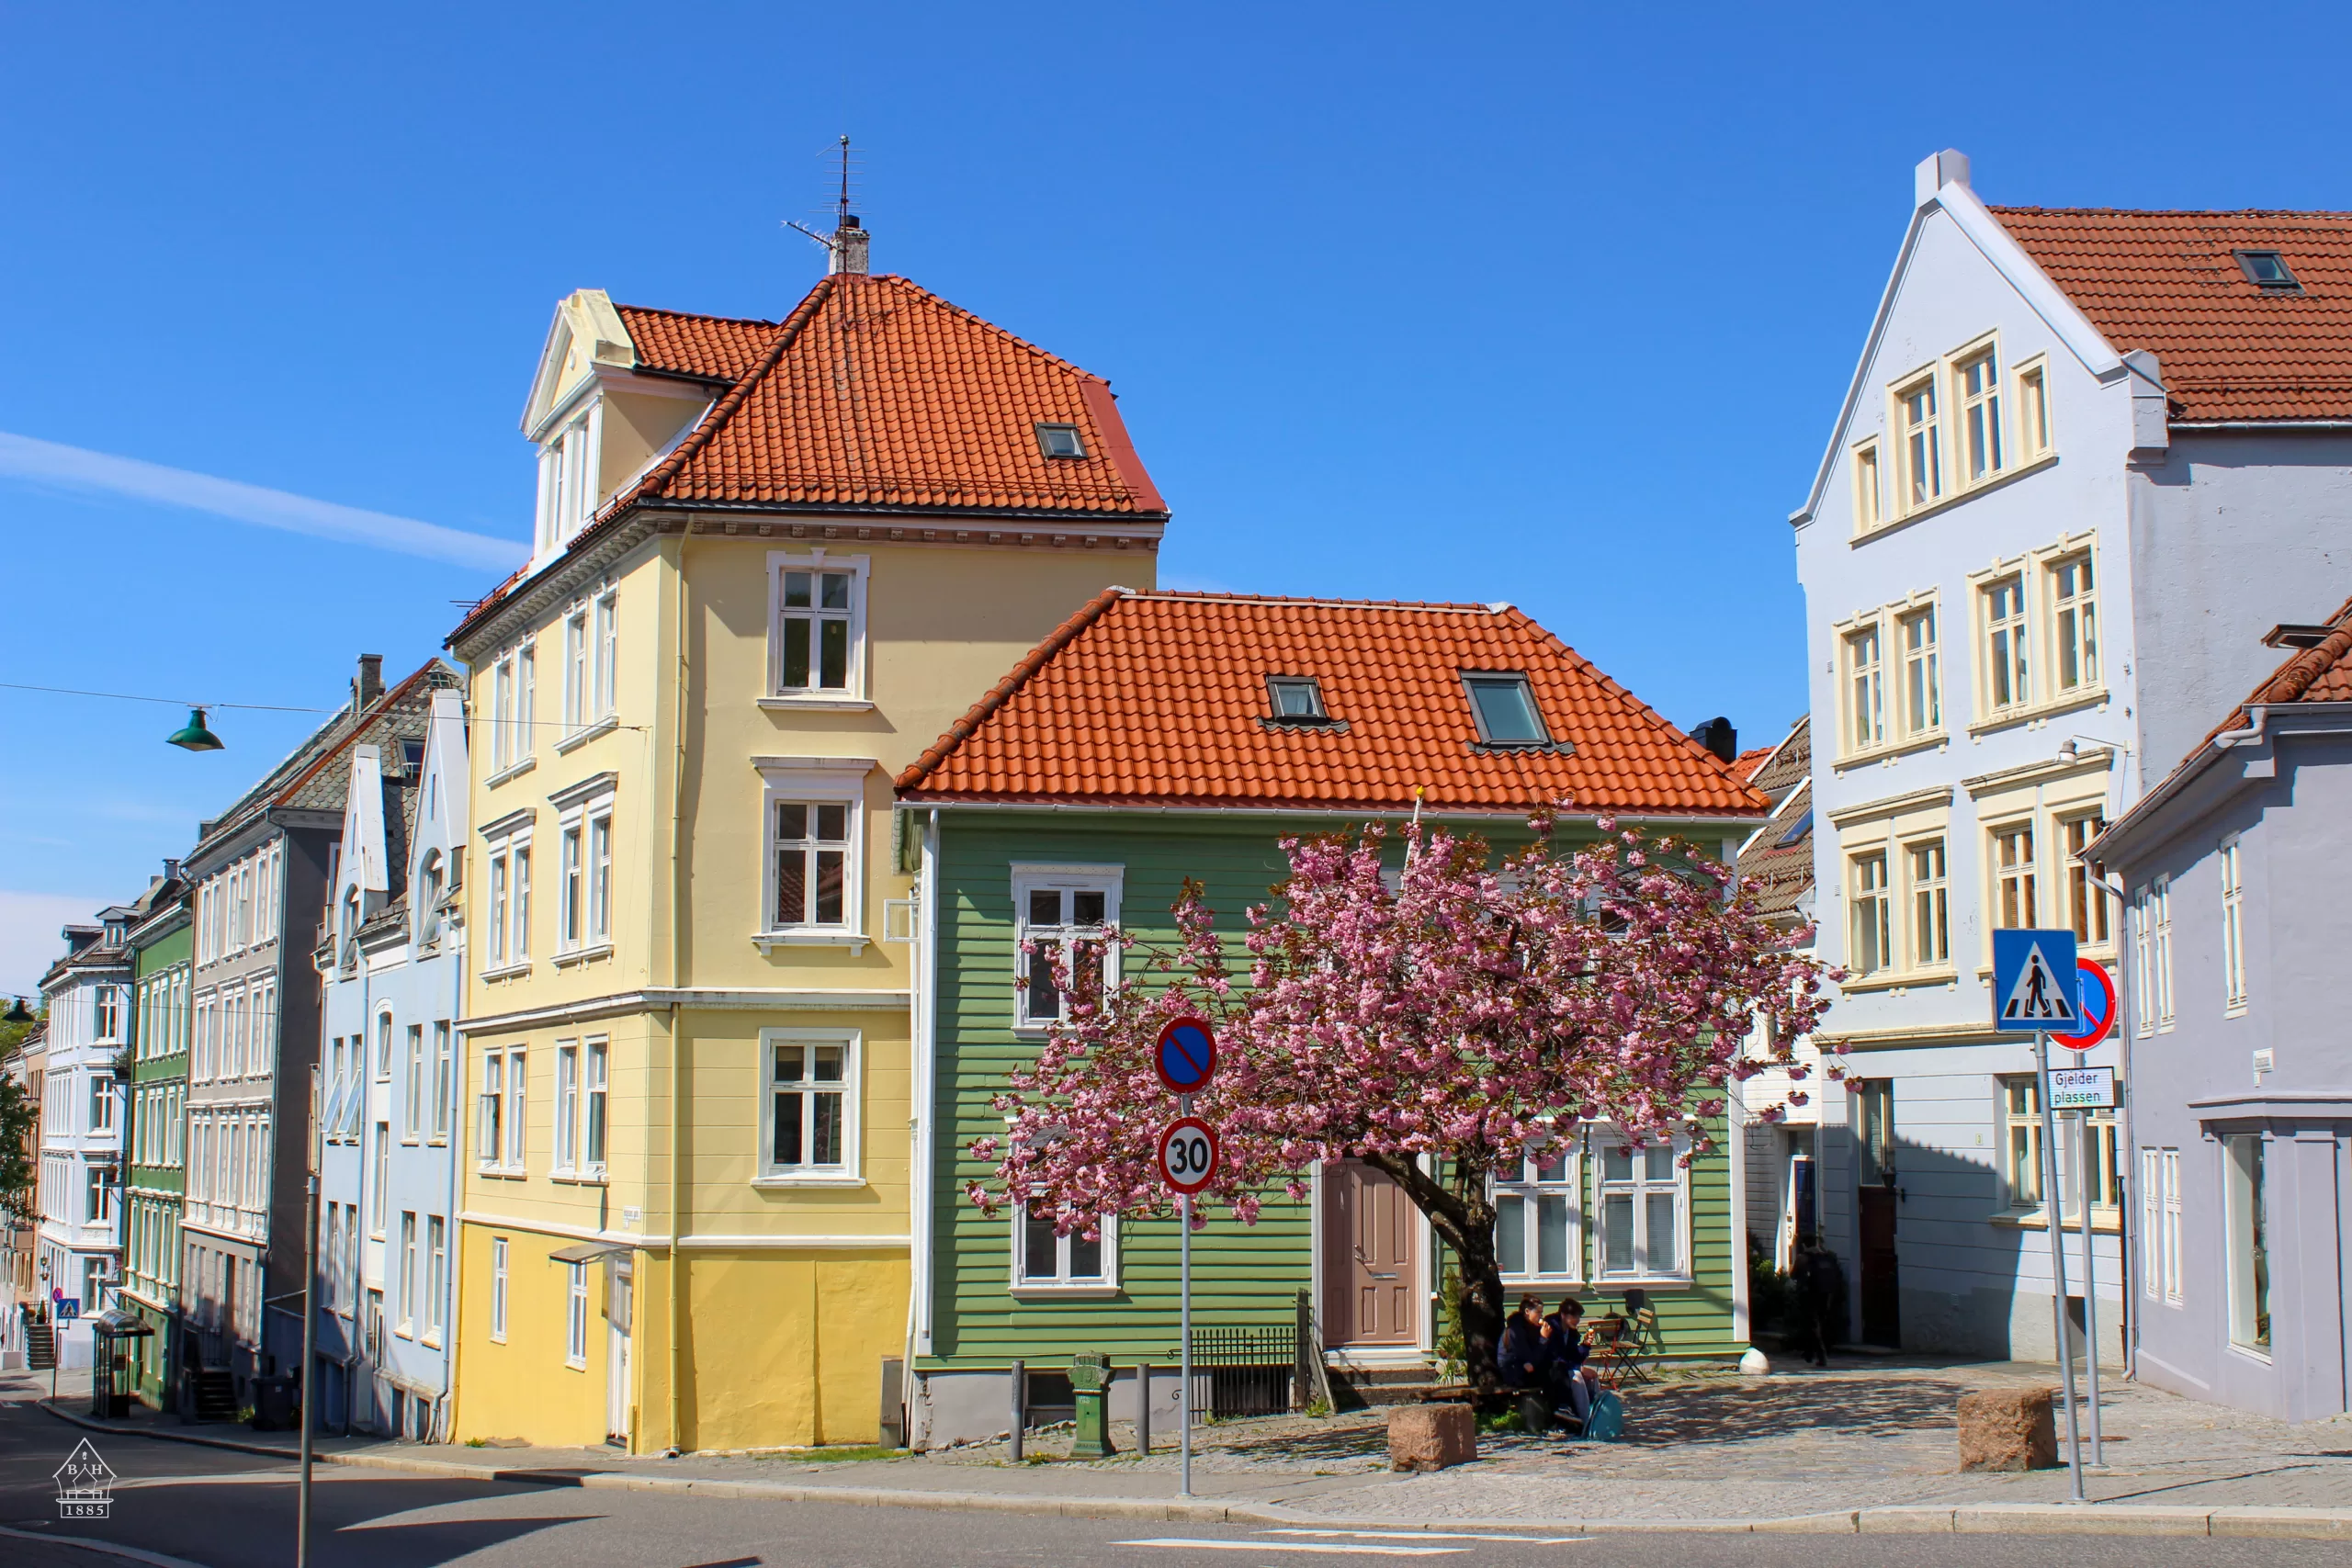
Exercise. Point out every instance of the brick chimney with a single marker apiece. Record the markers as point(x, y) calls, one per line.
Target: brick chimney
point(368, 684)
point(851, 243)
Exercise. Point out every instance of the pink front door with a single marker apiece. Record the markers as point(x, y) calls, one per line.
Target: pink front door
point(1370, 1252)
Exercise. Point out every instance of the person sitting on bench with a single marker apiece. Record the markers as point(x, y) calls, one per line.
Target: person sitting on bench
point(1523, 1360)
point(1573, 1379)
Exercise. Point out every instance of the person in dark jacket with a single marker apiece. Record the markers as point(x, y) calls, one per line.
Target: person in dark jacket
point(1573, 1382)
point(1821, 1296)
point(1524, 1358)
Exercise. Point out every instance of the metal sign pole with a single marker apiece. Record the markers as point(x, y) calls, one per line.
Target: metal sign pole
point(2053, 1213)
point(1185, 1315)
point(2090, 1285)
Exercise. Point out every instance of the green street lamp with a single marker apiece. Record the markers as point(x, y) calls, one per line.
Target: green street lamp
point(192, 736)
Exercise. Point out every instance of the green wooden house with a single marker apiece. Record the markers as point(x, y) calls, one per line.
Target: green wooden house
point(163, 946)
point(1158, 737)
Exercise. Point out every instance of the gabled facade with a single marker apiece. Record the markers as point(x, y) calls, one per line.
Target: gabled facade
point(2241, 1113)
point(88, 996)
point(21, 1295)
point(162, 948)
point(259, 878)
point(1158, 737)
point(775, 559)
point(2086, 458)
point(392, 965)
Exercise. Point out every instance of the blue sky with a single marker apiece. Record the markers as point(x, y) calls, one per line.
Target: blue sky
point(1546, 303)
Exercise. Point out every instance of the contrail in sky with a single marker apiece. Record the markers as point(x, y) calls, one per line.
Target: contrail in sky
point(45, 462)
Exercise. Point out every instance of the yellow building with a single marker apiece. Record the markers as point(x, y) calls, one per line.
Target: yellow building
point(773, 561)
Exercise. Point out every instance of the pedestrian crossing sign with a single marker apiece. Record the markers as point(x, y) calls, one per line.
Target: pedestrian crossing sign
point(2034, 984)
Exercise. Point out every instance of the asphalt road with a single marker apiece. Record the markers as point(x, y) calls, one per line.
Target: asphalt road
point(189, 1504)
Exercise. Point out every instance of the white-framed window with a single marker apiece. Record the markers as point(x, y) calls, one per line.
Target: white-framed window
point(2233, 982)
point(2087, 902)
point(817, 626)
point(436, 1275)
point(568, 482)
point(576, 655)
point(2152, 950)
point(2015, 902)
point(2171, 1228)
point(2022, 1141)
point(443, 1061)
point(814, 835)
point(1645, 1210)
point(576, 1316)
point(1923, 702)
point(412, 1085)
point(429, 892)
point(377, 1206)
point(2074, 624)
point(571, 888)
point(517, 1108)
point(1539, 1214)
point(502, 712)
point(102, 1097)
point(1869, 503)
point(384, 1046)
point(603, 696)
point(1978, 381)
point(2246, 1226)
point(106, 1002)
point(600, 875)
point(2007, 674)
point(498, 1289)
point(507, 929)
point(1075, 1264)
point(1060, 911)
point(406, 1326)
point(2033, 410)
point(1922, 478)
point(567, 1106)
point(808, 1113)
point(1872, 947)
point(489, 1109)
point(1865, 689)
point(1930, 902)
point(595, 1108)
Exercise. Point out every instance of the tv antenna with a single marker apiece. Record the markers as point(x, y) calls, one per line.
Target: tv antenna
point(847, 254)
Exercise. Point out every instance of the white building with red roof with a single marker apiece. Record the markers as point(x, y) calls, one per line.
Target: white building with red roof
point(2087, 458)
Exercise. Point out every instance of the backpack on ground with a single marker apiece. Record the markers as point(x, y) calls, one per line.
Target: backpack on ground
point(1605, 1422)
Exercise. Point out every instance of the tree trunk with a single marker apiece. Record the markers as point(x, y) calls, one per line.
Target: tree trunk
point(1465, 1220)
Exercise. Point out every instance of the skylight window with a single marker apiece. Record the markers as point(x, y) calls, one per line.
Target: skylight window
point(1505, 709)
point(1296, 698)
point(2267, 270)
point(1060, 441)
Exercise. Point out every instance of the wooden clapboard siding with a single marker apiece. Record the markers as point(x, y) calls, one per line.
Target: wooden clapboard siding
point(1241, 1275)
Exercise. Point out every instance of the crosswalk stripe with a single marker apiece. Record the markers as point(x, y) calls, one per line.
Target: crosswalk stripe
point(1435, 1535)
point(1328, 1547)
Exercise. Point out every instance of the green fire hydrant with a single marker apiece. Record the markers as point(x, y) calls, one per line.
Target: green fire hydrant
point(1090, 1382)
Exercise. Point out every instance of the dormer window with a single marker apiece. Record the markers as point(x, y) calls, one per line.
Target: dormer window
point(1505, 709)
point(567, 480)
point(2268, 271)
point(1297, 699)
point(1060, 441)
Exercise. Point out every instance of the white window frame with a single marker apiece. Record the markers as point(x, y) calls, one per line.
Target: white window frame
point(2235, 990)
point(413, 1087)
point(1877, 897)
point(2090, 910)
point(2037, 436)
point(2027, 873)
point(567, 1108)
point(2083, 644)
point(856, 692)
point(1917, 443)
point(436, 1277)
point(498, 1253)
point(579, 812)
point(1922, 681)
point(2244, 1205)
point(517, 1157)
point(1935, 918)
point(1528, 1189)
point(2159, 908)
point(576, 657)
point(1060, 1285)
point(1870, 487)
point(849, 1170)
point(507, 852)
point(576, 1316)
point(2018, 663)
point(1038, 878)
point(445, 1063)
point(596, 1103)
point(604, 660)
point(817, 781)
point(1641, 1187)
point(404, 1325)
point(1979, 415)
point(490, 1111)
point(1862, 650)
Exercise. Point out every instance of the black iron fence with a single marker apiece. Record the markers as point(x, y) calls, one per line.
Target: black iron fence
point(1245, 1371)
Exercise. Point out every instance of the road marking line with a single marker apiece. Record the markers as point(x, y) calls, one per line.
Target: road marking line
point(1435, 1535)
point(1206, 1545)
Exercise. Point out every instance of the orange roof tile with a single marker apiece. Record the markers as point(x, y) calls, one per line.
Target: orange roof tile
point(2321, 673)
point(875, 393)
point(2167, 282)
point(1747, 762)
point(1162, 699)
point(704, 348)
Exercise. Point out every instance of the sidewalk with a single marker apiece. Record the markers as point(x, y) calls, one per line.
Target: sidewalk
point(1866, 1449)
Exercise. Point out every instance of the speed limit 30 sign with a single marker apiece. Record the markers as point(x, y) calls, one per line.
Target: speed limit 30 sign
point(1188, 1152)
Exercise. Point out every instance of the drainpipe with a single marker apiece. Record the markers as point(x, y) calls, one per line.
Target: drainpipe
point(452, 953)
point(923, 1045)
point(677, 1075)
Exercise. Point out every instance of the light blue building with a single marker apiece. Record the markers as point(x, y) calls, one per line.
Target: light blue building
point(391, 961)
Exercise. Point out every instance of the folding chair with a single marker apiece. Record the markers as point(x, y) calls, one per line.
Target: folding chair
point(1612, 1341)
point(1642, 1342)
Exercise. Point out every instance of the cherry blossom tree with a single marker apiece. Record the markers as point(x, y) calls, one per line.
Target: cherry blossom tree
point(1435, 1023)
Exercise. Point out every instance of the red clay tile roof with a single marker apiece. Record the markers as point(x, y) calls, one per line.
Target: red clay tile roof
point(1160, 699)
point(1747, 762)
point(704, 348)
point(2167, 282)
point(875, 393)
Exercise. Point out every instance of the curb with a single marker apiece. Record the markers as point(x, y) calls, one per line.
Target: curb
point(1964, 1518)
